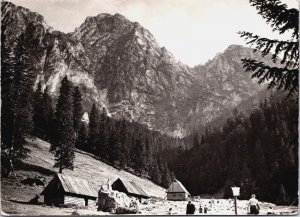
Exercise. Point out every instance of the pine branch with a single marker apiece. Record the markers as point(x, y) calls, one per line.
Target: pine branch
point(289, 49)
point(278, 16)
point(282, 78)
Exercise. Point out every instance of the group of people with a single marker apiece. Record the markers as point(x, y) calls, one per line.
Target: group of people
point(190, 209)
point(253, 207)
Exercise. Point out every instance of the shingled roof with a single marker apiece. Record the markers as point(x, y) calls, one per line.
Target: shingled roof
point(177, 187)
point(131, 187)
point(72, 185)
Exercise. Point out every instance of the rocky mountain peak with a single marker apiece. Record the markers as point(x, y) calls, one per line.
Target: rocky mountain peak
point(119, 64)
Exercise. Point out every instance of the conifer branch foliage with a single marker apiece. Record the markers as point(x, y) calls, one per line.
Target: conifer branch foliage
point(286, 53)
point(282, 78)
point(278, 16)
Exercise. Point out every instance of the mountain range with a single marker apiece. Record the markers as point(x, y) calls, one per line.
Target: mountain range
point(119, 65)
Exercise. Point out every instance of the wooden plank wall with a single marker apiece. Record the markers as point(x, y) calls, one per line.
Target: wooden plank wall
point(74, 200)
point(79, 201)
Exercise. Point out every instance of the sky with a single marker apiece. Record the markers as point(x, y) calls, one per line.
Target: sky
point(193, 30)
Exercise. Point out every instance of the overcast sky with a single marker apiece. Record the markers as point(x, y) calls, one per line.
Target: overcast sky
point(193, 30)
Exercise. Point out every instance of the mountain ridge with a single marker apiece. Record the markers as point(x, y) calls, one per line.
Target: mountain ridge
point(118, 64)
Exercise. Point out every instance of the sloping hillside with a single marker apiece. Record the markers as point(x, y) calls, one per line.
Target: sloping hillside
point(88, 167)
point(15, 195)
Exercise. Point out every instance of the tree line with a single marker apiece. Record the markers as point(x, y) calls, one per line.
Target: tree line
point(258, 152)
point(125, 145)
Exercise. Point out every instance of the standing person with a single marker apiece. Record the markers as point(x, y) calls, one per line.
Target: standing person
point(200, 209)
point(253, 206)
point(205, 209)
point(137, 206)
point(212, 202)
point(190, 208)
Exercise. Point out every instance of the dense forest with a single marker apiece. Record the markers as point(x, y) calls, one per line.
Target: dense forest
point(258, 152)
point(125, 145)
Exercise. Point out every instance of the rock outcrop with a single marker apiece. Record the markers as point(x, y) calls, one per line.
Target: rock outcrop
point(109, 201)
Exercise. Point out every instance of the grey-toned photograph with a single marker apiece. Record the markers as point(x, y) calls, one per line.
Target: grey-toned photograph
point(149, 107)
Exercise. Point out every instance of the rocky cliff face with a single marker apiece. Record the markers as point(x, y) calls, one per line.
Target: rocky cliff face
point(118, 64)
point(226, 82)
point(139, 79)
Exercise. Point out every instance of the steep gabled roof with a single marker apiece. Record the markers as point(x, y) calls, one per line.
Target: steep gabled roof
point(177, 187)
point(72, 185)
point(132, 187)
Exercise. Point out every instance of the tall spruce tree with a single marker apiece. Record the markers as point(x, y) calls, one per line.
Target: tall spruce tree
point(48, 115)
point(23, 83)
point(7, 98)
point(18, 72)
point(138, 154)
point(83, 135)
point(166, 175)
point(124, 149)
point(77, 111)
point(93, 127)
point(104, 134)
point(281, 20)
point(155, 172)
point(8, 104)
point(196, 143)
point(39, 129)
point(64, 147)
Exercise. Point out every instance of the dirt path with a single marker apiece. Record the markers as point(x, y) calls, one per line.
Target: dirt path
point(220, 207)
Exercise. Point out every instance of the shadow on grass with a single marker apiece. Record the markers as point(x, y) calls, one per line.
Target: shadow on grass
point(31, 167)
point(26, 202)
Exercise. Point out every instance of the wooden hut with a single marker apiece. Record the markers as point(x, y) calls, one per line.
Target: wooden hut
point(66, 189)
point(177, 191)
point(130, 188)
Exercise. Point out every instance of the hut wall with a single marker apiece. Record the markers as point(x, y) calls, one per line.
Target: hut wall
point(74, 200)
point(79, 201)
point(118, 186)
point(55, 198)
point(177, 196)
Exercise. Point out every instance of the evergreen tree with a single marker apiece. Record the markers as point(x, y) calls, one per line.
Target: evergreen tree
point(8, 104)
point(281, 19)
point(166, 175)
point(124, 145)
point(103, 136)
point(77, 111)
point(48, 116)
point(259, 163)
point(18, 72)
point(93, 127)
point(155, 173)
point(147, 159)
point(202, 139)
point(39, 129)
point(282, 198)
point(83, 135)
point(113, 151)
point(64, 147)
point(196, 143)
point(23, 82)
point(138, 154)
